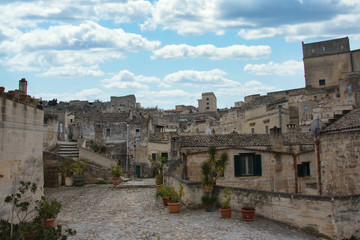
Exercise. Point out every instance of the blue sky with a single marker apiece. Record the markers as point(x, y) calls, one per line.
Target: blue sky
point(166, 52)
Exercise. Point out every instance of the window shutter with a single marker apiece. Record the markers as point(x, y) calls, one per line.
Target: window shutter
point(237, 165)
point(257, 165)
point(301, 171)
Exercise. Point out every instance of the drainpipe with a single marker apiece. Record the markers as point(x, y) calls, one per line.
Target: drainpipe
point(296, 173)
point(317, 149)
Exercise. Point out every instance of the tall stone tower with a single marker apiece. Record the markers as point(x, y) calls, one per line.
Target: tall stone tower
point(23, 86)
point(208, 102)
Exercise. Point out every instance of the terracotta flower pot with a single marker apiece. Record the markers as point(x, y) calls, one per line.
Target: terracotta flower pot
point(248, 214)
point(174, 207)
point(225, 212)
point(158, 186)
point(49, 223)
point(165, 200)
point(116, 180)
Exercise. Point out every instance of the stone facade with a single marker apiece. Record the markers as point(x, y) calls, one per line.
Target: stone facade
point(21, 131)
point(207, 103)
point(325, 61)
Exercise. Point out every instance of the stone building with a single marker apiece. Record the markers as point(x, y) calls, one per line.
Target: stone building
point(207, 103)
point(21, 144)
point(326, 61)
point(340, 156)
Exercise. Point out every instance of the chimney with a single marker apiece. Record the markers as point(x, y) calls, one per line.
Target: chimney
point(23, 86)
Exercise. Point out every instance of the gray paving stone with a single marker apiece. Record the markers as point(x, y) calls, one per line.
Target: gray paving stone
point(107, 212)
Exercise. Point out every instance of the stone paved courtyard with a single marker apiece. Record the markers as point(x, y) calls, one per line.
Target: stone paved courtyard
point(106, 212)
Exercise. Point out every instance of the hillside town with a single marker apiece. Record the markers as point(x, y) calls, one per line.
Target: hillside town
point(299, 147)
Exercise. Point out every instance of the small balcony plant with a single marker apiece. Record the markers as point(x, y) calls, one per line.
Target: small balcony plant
point(164, 193)
point(253, 200)
point(116, 173)
point(175, 198)
point(226, 203)
point(48, 210)
point(78, 168)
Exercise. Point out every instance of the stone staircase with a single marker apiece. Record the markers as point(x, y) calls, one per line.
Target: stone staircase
point(68, 149)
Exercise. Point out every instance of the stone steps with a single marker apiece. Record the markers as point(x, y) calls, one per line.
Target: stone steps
point(68, 149)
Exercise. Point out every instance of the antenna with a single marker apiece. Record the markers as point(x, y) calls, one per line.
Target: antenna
point(316, 126)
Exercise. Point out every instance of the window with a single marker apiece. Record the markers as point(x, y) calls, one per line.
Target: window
point(252, 130)
point(247, 164)
point(207, 107)
point(306, 108)
point(303, 169)
point(207, 99)
point(153, 156)
point(108, 132)
point(350, 96)
point(207, 103)
point(350, 102)
point(137, 132)
point(267, 129)
point(313, 51)
point(322, 82)
point(342, 47)
point(349, 88)
point(324, 49)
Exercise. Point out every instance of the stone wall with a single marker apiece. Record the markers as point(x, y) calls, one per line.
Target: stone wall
point(21, 131)
point(328, 68)
point(334, 217)
point(339, 155)
point(279, 171)
point(93, 173)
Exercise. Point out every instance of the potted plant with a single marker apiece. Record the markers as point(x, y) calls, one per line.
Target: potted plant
point(164, 193)
point(157, 162)
point(226, 203)
point(66, 168)
point(116, 172)
point(253, 200)
point(175, 198)
point(78, 169)
point(211, 170)
point(48, 210)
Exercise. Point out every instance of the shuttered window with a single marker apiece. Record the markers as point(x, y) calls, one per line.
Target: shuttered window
point(247, 164)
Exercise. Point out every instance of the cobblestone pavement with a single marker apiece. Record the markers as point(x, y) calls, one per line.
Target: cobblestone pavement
point(108, 212)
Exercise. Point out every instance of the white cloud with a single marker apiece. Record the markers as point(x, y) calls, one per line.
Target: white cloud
point(190, 78)
point(287, 68)
point(191, 17)
point(337, 27)
point(126, 79)
point(212, 52)
point(81, 46)
point(72, 71)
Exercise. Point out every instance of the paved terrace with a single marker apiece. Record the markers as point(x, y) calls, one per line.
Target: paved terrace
point(132, 212)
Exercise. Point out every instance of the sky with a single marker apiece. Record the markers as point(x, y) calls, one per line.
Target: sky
point(165, 52)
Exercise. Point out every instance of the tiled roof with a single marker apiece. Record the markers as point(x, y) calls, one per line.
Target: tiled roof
point(245, 140)
point(226, 140)
point(350, 121)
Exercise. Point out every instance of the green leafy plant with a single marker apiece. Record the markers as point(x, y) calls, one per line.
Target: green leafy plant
point(176, 196)
point(163, 191)
point(208, 201)
point(48, 209)
point(66, 167)
point(30, 225)
point(211, 170)
point(159, 179)
point(116, 170)
point(158, 163)
point(226, 203)
point(79, 166)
